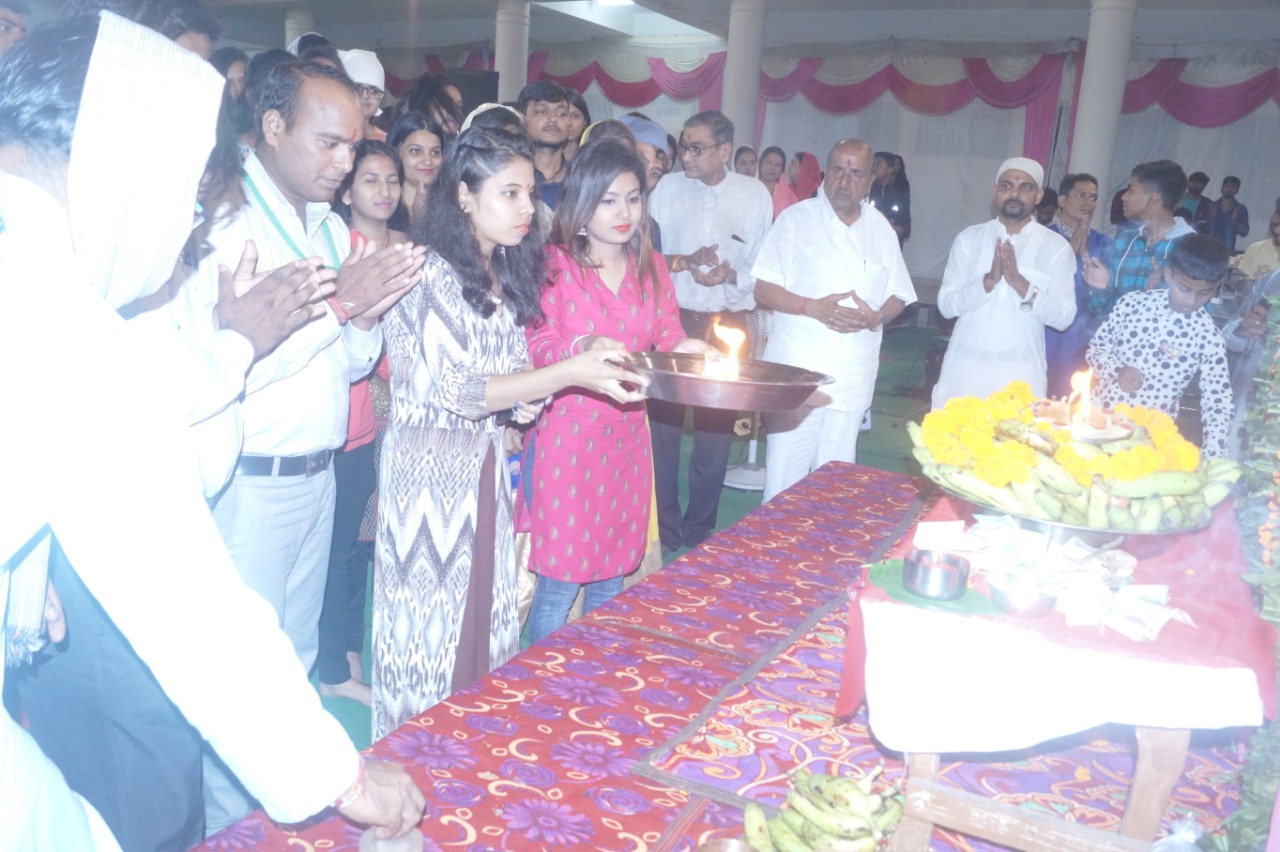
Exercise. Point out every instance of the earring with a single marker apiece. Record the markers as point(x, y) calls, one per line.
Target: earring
point(583, 232)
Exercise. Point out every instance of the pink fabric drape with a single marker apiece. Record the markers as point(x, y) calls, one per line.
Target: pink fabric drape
point(1037, 90)
point(1199, 106)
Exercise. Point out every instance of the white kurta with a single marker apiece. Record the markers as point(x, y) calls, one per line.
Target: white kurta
point(811, 253)
point(994, 341)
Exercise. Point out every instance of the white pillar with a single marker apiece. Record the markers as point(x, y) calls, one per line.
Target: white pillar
point(741, 94)
point(298, 22)
point(1106, 66)
point(511, 48)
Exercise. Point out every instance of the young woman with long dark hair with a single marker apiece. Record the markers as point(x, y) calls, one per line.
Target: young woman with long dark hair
point(591, 473)
point(445, 608)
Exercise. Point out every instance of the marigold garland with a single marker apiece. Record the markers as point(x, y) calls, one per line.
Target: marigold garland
point(963, 432)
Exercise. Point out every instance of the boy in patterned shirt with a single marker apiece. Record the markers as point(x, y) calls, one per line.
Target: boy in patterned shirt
point(1155, 341)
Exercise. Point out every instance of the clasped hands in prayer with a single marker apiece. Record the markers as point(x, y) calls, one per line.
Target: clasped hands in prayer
point(842, 318)
point(265, 308)
point(1004, 264)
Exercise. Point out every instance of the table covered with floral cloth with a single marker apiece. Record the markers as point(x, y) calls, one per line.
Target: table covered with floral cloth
point(650, 722)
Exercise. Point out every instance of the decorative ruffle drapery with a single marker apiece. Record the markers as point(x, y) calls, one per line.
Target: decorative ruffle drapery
point(1198, 92)
point(1203, 94)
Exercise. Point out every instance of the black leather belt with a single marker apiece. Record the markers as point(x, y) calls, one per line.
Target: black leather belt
point(284, 465)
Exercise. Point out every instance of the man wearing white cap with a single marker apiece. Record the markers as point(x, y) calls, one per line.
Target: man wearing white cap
point(1005, 281)
point(364, 69)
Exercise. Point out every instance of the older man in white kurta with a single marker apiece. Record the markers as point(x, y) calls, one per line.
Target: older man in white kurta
point(832, 271)
point(1005, 281)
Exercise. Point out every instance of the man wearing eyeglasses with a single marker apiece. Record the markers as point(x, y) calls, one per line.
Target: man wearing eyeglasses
point(13, 23)
point(713, 222)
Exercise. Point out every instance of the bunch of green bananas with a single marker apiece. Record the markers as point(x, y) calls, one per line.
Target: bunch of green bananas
point(1157, 502)
point(827, 813)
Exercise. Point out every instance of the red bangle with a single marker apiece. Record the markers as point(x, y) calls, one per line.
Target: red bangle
point(340, 309)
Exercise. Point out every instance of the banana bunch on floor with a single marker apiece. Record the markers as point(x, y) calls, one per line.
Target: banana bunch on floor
point(827, 813)
point(1157, 502)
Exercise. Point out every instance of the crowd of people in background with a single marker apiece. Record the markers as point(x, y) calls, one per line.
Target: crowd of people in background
point(382, 302)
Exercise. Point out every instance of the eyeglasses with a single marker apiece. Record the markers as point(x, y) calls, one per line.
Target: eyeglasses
point(697, 150)
point(370, 92)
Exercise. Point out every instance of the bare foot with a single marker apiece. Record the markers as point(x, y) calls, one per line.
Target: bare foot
point(353, 689)
point(357, 667)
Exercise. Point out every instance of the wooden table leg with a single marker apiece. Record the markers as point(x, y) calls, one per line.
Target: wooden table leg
point(915, 830)
point(1161, 756)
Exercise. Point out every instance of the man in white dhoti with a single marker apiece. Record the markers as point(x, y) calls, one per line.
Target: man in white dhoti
point(832, 271)
point(1005, 281)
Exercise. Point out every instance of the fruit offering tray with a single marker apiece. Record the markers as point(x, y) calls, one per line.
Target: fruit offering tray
point(997, 454)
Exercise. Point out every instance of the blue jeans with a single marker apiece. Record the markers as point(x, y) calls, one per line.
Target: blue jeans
point(552, 600)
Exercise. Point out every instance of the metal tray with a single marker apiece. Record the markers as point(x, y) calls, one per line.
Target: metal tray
point(1061, 532)
point(760, 386)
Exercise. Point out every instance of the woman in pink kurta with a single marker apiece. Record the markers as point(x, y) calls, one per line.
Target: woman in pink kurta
point(591, 471)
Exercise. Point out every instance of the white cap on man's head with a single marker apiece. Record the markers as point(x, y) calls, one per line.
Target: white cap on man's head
point(363, 67)
point(1023, 164)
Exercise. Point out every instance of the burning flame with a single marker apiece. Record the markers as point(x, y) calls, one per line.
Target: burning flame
point(1081, 396)
point(726, 367)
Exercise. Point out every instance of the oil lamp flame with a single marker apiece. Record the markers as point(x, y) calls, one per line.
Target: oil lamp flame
point(725, 367)
point(1080, 403)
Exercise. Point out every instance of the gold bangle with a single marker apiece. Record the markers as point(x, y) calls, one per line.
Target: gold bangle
point(675, 262)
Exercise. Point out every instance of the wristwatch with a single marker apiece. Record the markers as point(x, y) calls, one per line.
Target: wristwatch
point(1030, 300)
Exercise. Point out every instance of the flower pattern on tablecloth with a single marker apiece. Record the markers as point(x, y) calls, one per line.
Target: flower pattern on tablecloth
point(532, 756)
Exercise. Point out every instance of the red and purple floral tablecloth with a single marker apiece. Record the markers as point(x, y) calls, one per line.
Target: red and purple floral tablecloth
point(648, 723)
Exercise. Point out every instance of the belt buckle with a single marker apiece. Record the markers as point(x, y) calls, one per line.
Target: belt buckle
point(314, 464)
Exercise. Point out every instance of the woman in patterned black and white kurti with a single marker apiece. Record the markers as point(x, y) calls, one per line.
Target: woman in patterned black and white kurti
point(445, 611)
point(443, 471)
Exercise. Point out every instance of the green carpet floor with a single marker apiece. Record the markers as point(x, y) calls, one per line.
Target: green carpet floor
point(900, 396)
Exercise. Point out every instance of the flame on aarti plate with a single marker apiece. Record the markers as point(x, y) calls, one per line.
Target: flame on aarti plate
point(1080, 403)
point(726, 367)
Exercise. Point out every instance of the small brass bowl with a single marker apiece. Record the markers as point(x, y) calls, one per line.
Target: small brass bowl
point(935, 574)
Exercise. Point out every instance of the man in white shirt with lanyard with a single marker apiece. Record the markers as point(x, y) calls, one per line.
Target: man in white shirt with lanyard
point(832, 271)
point(276, 514)
point(713, 221)
point(131, 520)
point(1005, 280)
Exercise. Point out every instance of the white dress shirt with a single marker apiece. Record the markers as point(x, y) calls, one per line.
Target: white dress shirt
point(734, 215)
point(104, 461)
point(995, 341)
point(811, 253)
point(296, 397)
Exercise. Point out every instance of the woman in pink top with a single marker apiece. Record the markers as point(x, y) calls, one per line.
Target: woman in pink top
point(591, 471)
point(773, 162)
